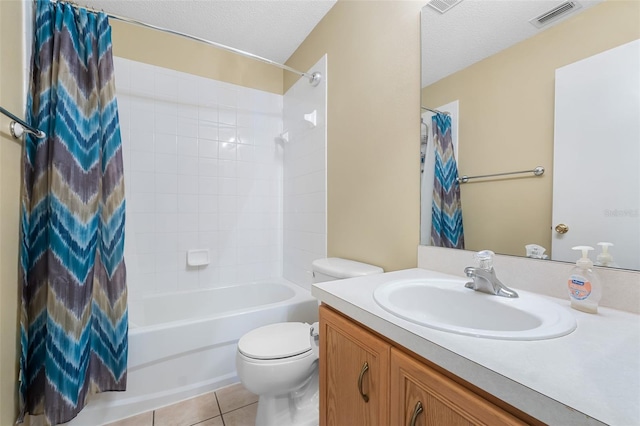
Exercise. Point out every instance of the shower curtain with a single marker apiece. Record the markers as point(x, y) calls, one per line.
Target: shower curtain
point(446, 209)
point(73, 278)
point(426, 180)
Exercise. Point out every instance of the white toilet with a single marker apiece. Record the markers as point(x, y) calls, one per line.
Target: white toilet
point(279, 362)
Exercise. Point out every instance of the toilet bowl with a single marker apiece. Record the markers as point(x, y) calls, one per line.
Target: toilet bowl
point(279, 362)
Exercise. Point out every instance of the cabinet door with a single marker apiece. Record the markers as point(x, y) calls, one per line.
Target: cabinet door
point(443, 401)
point(354, 374)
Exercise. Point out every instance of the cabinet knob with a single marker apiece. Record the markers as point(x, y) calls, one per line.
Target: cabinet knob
point(417, 410)
point(365, 368)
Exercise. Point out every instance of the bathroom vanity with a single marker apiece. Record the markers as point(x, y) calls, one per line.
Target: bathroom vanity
point(378, 368)
point(394, 386)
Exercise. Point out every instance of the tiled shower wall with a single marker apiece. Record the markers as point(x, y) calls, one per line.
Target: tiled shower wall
point(202, 171)
point(305, 171)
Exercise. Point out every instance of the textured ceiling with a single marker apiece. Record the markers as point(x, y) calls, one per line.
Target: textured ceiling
point(469, 32)
point(476, 29)
point(272, 29)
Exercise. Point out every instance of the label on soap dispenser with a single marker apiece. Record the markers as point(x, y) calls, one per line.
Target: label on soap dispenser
point(579, 287)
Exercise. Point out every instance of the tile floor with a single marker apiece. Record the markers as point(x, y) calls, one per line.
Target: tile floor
point(230, 406)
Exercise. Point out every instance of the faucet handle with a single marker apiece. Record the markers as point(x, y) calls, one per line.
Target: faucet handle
point(484, 259)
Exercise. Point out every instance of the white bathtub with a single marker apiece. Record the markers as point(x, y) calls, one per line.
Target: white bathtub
point(183, 344)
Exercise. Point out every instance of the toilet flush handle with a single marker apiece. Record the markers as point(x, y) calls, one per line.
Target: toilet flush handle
point(314, 338)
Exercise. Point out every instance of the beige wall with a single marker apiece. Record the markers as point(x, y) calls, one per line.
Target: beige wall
point(182, 54)
point(506, 123)
point(11, 98)
point(373, 130)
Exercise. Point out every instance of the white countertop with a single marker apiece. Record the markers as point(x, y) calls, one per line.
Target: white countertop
point(591, 376)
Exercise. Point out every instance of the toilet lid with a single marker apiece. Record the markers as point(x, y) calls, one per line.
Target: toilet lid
point(281, 340)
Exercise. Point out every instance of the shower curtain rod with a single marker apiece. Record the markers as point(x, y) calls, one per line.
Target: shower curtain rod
point(18, 127)
point(435, 111)
point(314, 78)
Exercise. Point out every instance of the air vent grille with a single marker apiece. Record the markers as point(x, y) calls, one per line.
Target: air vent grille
point(443, 5)
point(555, 14)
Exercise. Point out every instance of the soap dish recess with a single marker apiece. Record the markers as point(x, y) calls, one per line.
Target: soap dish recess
point(198, 257)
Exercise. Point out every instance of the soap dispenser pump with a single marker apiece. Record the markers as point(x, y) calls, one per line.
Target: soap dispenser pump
point(583, 284)
point(605, 258)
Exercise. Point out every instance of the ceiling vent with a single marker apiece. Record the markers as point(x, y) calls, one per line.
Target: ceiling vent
point(443, 5)
point(554, 14)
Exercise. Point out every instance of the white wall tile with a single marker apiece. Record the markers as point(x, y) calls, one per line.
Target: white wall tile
point(227, 116)
point(166, 86)
point(188, 203)
point(140, 140)
point(227, 150)
point(166, 203)
point(188, 241)
point(207, 185)
point(166, 183)
point(208, 203)
point(195, 179)
point(227, 168)
point(166, 123)
point(142, 78)
point(207, 148)
point(187, 146)
point(166, 281)
point(188, 165)
point(212, 240)
point(226, 133)
point(187, 126)
point(187, 89)
point(142, 161)
point(187, 184)
point(208, 167)
point(142, 182)
point(207, 222)
point(187, 222)
point(208, 130)
point(166, 163)
point(227, 96)
point(165, 222)
point(208, 114)
point(304, 183)
point(166, 143)
point(208, 277)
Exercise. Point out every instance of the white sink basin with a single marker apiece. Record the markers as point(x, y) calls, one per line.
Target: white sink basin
point(447, 305)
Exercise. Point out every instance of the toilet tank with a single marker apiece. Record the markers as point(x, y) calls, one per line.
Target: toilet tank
point(335, 268)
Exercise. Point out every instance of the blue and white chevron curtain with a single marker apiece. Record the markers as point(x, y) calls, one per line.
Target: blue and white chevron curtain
point(446, 209)
point(74, 294)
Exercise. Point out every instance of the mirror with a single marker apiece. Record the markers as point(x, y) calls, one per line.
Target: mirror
point(495, 71)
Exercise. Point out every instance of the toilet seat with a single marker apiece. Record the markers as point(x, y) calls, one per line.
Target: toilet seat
point(276, 341)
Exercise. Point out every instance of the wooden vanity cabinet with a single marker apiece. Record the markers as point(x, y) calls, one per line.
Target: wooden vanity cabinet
point(396, 389)
point(354, 374)
point(421, 396)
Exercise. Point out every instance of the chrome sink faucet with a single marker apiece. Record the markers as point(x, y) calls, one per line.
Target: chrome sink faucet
point(484, 276)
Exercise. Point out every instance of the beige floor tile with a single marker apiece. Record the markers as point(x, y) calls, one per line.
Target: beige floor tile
point(188, 412)
point(234, 396)
point(144, 419)
point(245, 416)
point(216, 421)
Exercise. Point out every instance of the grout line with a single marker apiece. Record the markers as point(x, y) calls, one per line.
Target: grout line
point(240, 408)
point(219, 408)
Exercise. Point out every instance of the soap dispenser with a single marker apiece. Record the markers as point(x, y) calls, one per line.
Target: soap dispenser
point(583, 284)
point(605, 258)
